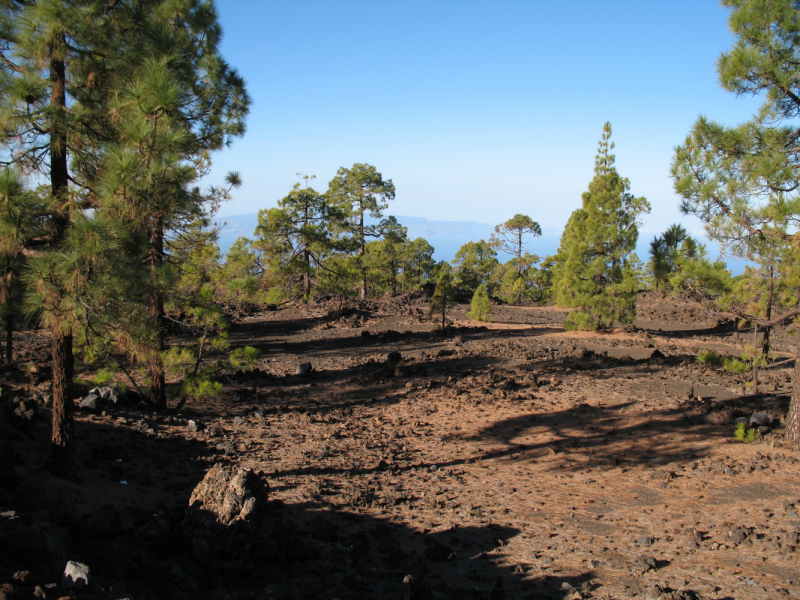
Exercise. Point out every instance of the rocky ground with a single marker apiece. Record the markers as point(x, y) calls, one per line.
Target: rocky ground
point(509, 459)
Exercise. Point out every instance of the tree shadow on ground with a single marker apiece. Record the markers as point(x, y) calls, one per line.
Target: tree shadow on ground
point(135, 538)
point(269, 340)
point(588, 436)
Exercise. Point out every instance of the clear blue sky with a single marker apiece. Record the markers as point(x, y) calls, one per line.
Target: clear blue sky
point(476, 110)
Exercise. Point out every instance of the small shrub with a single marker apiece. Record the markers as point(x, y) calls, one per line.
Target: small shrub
point(709, 357)
point(245, 358)
point(743, 434)
point(103, 377)
point(480, 308)
point(734, 365)
point(274, 295)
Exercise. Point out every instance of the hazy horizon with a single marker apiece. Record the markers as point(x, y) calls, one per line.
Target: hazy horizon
point(473, 108)
point(448, 236)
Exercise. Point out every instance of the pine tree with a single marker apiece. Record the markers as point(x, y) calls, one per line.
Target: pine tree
point(475, 264)
point(593, 273)
point(171, 116)
point(295, 238)
point(418, 264)
point(20, 220)
point(742, 181)
point(384, 258)
point(480, 307)
point(666, 251)
point(542, 280)
point(65, 71)
point(238, 279)
point(53, 126)
point(516, 278)
point(360, 192)
point(511, 233)
point(443, 295)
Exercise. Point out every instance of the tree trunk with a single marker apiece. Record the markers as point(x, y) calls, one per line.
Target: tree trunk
point(62, 450)
point(9, 338)
point(755, 361)
point(62, 447)
point(158, 384)
point(362, 265)
point(306, 256)
point(793, 418)
point(765, 346)
point(306, 276)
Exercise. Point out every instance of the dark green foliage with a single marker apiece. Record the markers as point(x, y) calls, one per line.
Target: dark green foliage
point(742, 181)
point(239, 279)
point(593, 273)
point(117, 106)
point(511, 235)
point(475, 265)
point(20, 212)
point(443, 295)
point(384, 257)
point(517, 279)
point(480, 307)
point(356, 193)
point(295, 238)
point(418, 264)
point(326, 240)
point(667, 251)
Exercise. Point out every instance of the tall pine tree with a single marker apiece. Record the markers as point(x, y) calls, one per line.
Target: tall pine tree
point(743, 181)
point(593, 274)
point(295, 237)
point(63, 69)
point(360, 192)
point(177, 109)
point(60, 61)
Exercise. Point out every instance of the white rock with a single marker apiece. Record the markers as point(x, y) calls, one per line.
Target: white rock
point(75, 577)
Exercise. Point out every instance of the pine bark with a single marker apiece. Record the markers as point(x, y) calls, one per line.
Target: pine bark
point(62, 451)
point(158, 383)
point(306, 257)
point(62, 447)
point(9, 338)
point(793, 418)
point(363, 251)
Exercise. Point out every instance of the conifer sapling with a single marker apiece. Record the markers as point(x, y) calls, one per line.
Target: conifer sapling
point(480, 308)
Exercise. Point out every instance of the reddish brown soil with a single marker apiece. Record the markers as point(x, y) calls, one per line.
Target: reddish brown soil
point(509, 459)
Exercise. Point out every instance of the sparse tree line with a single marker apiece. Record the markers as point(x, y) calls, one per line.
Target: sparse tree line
point(111, 112)
point(338, 241)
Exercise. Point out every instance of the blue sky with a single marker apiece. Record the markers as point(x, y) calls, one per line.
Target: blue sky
point(476, 110)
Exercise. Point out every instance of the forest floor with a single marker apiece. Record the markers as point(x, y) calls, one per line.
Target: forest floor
point(510, 459)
